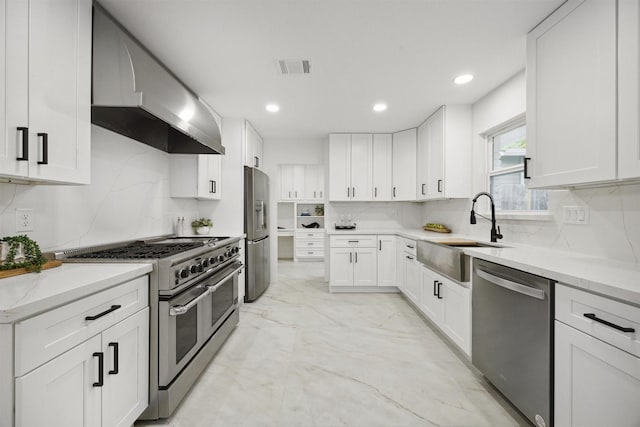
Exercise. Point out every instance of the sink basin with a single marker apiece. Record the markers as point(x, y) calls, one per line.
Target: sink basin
point(468, 244)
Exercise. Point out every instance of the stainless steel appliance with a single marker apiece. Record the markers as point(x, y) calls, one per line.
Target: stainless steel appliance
point(512, 336)
point(256, 226)
point(193, 299)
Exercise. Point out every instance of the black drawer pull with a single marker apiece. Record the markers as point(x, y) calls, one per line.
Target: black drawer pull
point(100, 356)
point(435, 283)
point(25, 143)
point(45, 148)
point(526, 169)
point(439, 288)
point(115, 369)
point(593, 317)
point(104, 313)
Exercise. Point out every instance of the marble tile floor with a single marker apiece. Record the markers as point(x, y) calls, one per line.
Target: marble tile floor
point(304, 357)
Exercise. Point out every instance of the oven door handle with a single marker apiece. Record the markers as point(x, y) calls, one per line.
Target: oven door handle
point(178, 310)
point(214, 288)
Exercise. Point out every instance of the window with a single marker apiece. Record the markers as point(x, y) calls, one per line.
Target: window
point(507, 150)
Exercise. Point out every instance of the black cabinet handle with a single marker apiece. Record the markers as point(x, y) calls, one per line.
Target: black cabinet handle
point(348, 192)
point(45, 148)
point(356, 256)
point(423, 190)
point(25, 143)
point(408, 257)
point(435, 284)
point(593, 317)
point(353, 192)
point(256, 161)
point(215, 187)
point(410, 246)
point(394, 191)
point(115, 369)
point(380, 243)
point(439, 186)
point(375, 191)
point(314, 194)
point(104, 313)
point(439, 287)
point(526, 168)
point(100, 356)
point(350, 257)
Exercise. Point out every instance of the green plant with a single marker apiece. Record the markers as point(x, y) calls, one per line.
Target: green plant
point(319, 210)
point(33, 260)
point(202, 222)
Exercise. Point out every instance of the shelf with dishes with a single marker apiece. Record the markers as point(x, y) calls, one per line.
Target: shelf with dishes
point(301, 227)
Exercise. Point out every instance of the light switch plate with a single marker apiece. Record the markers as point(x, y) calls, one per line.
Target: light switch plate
point(576, 215)
point(24, 219)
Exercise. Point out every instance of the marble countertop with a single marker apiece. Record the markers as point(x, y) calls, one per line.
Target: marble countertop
point(29, 294)
point(604, 276)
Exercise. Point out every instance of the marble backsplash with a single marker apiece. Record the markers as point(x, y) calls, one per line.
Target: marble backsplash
point(375, 215)
point(128, 198)
point(613, 231)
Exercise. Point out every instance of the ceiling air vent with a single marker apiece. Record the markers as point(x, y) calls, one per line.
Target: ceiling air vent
point(294, 66)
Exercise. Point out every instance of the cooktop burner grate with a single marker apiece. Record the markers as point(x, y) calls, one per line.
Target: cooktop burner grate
point(142, 251)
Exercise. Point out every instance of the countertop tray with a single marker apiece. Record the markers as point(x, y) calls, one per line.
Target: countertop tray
point(18, 271)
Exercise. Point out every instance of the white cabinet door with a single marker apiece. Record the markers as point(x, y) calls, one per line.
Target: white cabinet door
point(60, 90)
point(422, 166)
point(411, 278)
point(628, 89)
point(314, 182)
point(61, 392)
point(214, 176)
point(361, 167)
point(456, 318)
point(125, 394)
point(195, 176)
point(435, 155)
point(364, 267)
point(404, 165)
point(571, 95)
point(253, 147)
point(386, 260)
point(297, 188)
point(286, 182)
point(339, 167)
point(596, 384)
point(430, 303)
point(382, 167)
point(341, 267)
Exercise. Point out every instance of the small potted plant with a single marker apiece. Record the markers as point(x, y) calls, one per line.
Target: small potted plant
point(202, 225)
point(319, 210)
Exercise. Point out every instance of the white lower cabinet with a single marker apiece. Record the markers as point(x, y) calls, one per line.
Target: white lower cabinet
point(104, 380)
point(448, 305)
point(411, 277)
point(353, 267)
point(597, 360)
point(387, 260)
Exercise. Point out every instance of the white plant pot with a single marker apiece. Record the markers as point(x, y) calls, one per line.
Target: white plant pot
point(202, 230)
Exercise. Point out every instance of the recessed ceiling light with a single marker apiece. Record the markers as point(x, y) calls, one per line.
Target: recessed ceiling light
point(379, 107)
point(463, 79)
point(272, 108)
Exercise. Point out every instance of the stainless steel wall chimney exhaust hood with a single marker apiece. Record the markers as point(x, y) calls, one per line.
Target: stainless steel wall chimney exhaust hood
point(138, 97)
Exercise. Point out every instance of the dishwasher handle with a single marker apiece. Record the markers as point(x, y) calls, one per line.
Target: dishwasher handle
point(512, 286)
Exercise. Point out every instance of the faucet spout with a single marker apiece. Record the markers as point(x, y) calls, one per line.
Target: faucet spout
point(495, 231)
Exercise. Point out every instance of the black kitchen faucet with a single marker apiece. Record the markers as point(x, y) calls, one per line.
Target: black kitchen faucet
point(495, 233)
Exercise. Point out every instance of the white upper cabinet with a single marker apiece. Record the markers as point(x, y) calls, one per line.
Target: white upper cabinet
point(254, 147)
point(292, 182)
point(628, 89)
point(197, 176)
point(314, 182)
point(47, 84)
point(382, 166)
point(571, 94)
point(404, 165)
point(444, 159)
point(350, 167)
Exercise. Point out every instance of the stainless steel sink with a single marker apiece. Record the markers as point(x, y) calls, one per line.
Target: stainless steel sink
point(448, 258)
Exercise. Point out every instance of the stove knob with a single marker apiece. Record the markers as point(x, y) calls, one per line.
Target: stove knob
point(236, 250)
point(183, 273)
point(205, 263)
point(194, 269)
point(228, 253)
point(212, 260)
point(220, 258)
point(199, 267)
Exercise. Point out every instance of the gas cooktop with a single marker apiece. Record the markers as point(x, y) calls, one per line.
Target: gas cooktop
point(152, 249)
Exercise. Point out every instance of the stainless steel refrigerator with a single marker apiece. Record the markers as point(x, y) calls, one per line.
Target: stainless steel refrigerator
point(256, 226)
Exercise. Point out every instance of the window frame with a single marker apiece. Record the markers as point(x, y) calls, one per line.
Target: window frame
point(488, 136)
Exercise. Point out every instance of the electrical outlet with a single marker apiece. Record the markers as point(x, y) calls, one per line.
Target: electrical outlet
point(576, 215)
point(24, 219)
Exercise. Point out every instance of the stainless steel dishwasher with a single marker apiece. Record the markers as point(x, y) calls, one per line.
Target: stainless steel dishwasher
point(512, 336)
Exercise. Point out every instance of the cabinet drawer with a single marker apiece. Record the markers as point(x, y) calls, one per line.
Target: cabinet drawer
point(408, 246)
point(309, 253)
point(353, 241)
point(43, 337)
point(309, 244)
point(310, 235)
point(573, 304)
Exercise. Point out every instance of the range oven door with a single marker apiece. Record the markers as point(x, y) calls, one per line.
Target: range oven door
point(186, 320)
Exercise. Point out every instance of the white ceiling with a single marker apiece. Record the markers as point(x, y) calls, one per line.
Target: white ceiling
point(402, 52)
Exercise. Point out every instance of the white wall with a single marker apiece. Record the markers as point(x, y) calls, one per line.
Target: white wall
point(614, 228)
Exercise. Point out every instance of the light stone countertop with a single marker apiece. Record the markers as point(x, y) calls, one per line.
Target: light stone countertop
point(29, 294)
point(611, 278)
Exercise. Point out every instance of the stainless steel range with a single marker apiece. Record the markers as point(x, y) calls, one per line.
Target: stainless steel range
point(194, 306)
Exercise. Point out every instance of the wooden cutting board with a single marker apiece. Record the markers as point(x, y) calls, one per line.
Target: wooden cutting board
point(437, 230)
point(18, 271)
